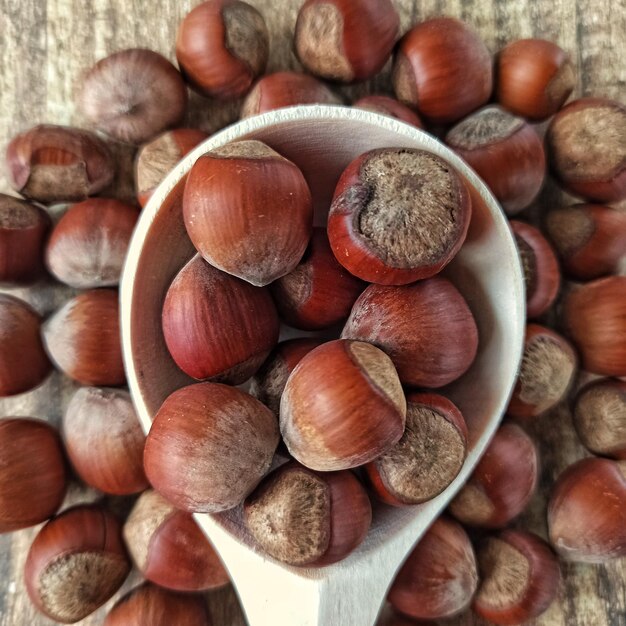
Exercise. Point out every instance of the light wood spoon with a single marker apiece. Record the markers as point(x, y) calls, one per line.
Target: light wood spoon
point(322, 140)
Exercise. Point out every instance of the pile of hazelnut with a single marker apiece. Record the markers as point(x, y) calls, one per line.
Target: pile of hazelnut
point(357, 409)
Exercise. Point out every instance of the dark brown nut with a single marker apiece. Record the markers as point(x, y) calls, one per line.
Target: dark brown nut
point(23, 229)
point(23, 360)
point(58, 163)
point(133, 95)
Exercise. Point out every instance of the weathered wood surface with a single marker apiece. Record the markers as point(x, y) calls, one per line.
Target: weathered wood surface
point(45, 45)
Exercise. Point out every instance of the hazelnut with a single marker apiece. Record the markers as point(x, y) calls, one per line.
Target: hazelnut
point(318, 292)
point(519, 577)
point(269, 382)
point(443, 69)
point(426, 328)
point(594, 315)
point(76, 563)
point(506, 153)
point(222, 46)
point(385, 105)
point(83, 338)
point(587, 511)
point(589, 238)
point(502, 483)
point(23, 229)
point(87, 247)
point(58, 163)
point(104, 440)
point(586, 143)
point(542, 277)
point(151, 605)
point(248, 211)
point(534, 78)
point(23, 361)
point(156, 159)
point(439, 577)
point(398, 215)
point(546, 374)
point(225, 440)
point(427, 458)
point(307, 518)
point(345, 40)
point(600, 417)
point(133, 95)
point(286, 89)
point(32, 473)
point(355, 416)
point(169, 549)
point(217, 326)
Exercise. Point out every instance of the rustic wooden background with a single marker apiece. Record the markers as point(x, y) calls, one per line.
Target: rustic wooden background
point(45, 45)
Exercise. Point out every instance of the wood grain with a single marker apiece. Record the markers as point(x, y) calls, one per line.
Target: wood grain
point(46, 45)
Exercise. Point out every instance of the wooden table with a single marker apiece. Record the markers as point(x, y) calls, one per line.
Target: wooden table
point(45, 45)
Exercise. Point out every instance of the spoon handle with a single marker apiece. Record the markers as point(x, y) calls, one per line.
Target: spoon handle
point(345, 598)
point(348, 594)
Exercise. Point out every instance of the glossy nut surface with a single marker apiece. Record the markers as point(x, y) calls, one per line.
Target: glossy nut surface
point(546, 374)
point(23, 230)
point(426, 328)
point(594, 315)
point(76, 563)
point(345, 40)
point(586, 147)
point(32, 474)
point(391, 107)
point(221, 47)
point(104, 440)
point(23, 361)
point(195, 428)
point(427, 458)
point(152, 605)
point(534, 78)
point(439, 577)
point(318, 292)
point(590, 239)
point(268, 384)
point(83, 338)
point(217, 326)
point(286, 89)
point(248, 211)
point(168, 547)
point(356, 415)
point(587, 511)
point(600, 417)
point(430, 61)
point(157, 158)
point(542, 276)
point(519, 577)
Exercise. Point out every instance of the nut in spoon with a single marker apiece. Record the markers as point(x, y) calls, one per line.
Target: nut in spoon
point(322, 140)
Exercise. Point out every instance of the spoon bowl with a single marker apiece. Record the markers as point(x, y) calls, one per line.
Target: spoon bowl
point(322, 140)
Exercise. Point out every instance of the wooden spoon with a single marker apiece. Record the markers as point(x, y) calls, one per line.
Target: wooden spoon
point(322, 140)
